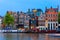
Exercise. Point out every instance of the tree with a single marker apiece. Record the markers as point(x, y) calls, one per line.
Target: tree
point(59, 17)
point(58, 20)
point(8, 19)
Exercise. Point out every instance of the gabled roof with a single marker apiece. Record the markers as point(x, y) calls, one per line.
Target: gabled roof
point(55, 9)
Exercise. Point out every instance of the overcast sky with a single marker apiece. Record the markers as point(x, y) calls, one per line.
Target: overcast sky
point(23, 5)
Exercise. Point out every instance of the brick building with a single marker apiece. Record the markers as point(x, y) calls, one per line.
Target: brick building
point(51, 21)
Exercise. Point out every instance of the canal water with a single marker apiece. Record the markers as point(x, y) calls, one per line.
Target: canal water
point(26, 36)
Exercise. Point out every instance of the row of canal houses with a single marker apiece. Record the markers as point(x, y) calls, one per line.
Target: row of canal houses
point(37, 18)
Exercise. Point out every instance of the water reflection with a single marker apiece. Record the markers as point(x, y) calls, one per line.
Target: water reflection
point(26, 36)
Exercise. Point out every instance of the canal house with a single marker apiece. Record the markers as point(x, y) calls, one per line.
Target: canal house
point(51, 18)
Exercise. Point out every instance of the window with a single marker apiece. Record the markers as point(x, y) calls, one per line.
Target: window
point(51, 10)
point(26, 18)
point(56, 14)
point(51, 19)
point(51, 26)
point(56, 24)
point(51, 15)
point(41, 28)
point(56, 19)
point(48, 26)
point(56, 28)
point(46, 15)
point(41, 17)
point(15, 16)
point(20, 21)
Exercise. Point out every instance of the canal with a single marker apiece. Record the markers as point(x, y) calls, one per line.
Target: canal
point(26, 36)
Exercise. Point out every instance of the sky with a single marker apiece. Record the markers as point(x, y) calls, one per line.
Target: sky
point(23, 5)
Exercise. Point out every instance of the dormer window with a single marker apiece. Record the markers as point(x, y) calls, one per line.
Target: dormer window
point(51, 10)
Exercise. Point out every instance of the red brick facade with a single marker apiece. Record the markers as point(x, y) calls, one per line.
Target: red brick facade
point(52, 14)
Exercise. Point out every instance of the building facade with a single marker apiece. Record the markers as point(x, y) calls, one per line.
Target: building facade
point(1, 18)
point(51, 21)
point(15, 19)
point(31, 21)
point(26, 20)
point(36, 17)
point(41, 21)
